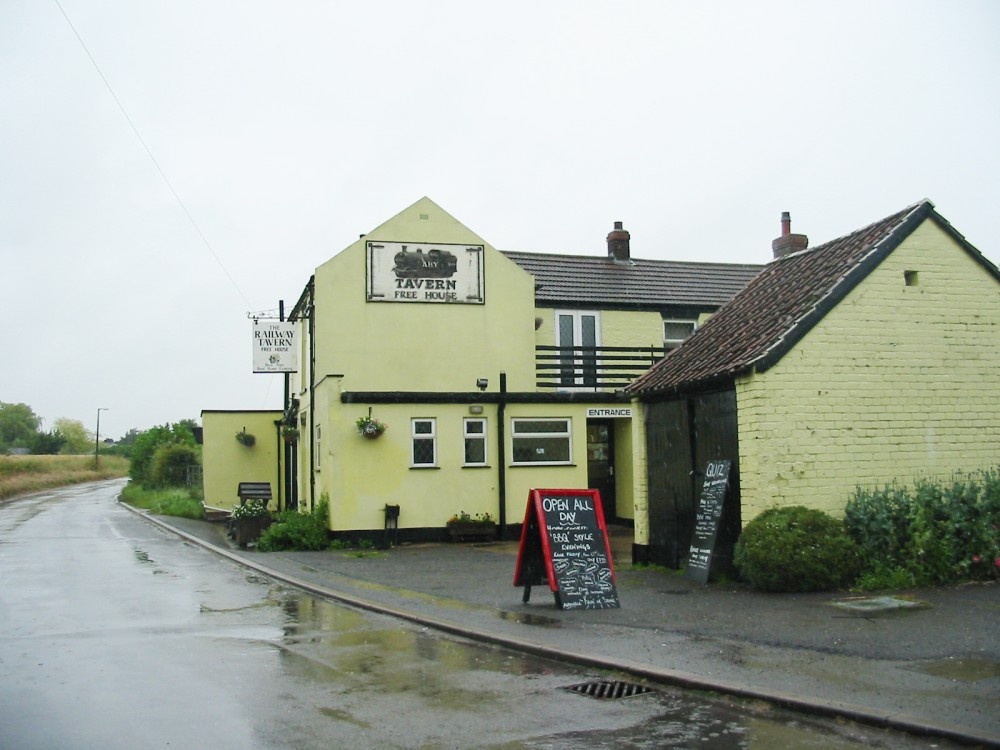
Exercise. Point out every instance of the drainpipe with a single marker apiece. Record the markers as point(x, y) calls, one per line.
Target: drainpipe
point(501, 447)
point(282, 451)
point(312, 393)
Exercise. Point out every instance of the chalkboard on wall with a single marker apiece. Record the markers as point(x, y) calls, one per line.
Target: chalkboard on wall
point(564, 543)
point(706, 527)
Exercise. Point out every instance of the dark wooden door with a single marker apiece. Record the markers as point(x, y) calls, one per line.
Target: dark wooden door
point(683, 435)
point(671, 493)
point(601, 464)
point(716, 438)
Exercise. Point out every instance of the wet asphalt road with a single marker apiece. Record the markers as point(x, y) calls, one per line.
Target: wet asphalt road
point(115, 633)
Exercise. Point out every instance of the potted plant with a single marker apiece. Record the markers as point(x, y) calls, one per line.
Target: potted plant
point(249, 521)
point(289, 433)
point(245, 438)
point(370, 427)
point(478, 528)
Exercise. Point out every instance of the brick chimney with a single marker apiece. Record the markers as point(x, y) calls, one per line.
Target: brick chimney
point(618, 243)
point(788, 243)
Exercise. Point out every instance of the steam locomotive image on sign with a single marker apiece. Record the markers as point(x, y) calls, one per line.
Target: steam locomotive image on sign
point(425, 272)
point(436, 264)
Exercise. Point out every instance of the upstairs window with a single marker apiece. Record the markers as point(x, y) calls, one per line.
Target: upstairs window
point(675, 331)
point(424, 435)
point(578, 337)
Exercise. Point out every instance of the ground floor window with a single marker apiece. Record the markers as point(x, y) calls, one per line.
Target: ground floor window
point(424, 435)
point(542, 441)
point(474, 431)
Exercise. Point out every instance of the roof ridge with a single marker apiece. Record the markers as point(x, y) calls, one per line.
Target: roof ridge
point(608, 259)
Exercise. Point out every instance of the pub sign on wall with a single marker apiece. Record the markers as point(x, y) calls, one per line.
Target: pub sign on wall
point(421, 272)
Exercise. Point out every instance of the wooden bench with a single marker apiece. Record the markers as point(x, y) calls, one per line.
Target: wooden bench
point(254, 491)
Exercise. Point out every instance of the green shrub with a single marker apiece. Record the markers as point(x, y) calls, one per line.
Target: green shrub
point(936, 532)
point(292, 530)
point(170, 465)
point(146, 444)
point(796, 549)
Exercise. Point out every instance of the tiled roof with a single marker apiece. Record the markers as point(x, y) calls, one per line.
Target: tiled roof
point(782, 303)
point(594, 281)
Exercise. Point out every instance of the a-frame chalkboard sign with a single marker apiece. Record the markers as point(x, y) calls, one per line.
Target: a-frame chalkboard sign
point(564, 543)
point(706, 524)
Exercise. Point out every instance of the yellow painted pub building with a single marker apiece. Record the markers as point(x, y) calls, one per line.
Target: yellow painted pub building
point(869, 359)
point(492, 372)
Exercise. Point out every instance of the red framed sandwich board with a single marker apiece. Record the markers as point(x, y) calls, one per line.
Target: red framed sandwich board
point(564, 543)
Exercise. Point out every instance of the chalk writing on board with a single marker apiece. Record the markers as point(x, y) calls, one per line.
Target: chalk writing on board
point(706, 522)
point(578, 562)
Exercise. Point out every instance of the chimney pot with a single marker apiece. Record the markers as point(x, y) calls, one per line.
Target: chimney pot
point(788, 243)
point(618, 243)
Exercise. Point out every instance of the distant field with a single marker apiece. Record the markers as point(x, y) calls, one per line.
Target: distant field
point(23, 474)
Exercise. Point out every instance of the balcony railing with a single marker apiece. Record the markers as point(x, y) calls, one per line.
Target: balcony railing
point(593, 368)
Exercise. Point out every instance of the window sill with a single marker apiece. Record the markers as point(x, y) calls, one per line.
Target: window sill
point(540, 463)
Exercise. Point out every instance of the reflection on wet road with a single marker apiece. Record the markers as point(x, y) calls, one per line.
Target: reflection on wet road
point(115, 634)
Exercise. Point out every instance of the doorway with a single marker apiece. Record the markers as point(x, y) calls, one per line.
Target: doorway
point(601, 464)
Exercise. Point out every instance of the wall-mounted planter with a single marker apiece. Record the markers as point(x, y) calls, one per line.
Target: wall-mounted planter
point(245, 438)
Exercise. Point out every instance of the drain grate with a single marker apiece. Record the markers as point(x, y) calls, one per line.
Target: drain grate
point(609, 689)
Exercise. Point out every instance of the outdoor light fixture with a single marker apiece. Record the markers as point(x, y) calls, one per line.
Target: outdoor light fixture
point(482, 384)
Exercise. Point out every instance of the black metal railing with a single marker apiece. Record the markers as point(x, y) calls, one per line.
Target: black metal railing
point(598, 368)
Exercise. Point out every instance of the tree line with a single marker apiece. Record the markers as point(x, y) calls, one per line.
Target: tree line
point(21, 432)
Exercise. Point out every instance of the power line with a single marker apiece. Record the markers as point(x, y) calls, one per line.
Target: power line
point(152, 158)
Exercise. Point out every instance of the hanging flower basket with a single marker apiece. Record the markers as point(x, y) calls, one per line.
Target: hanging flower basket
point(370, 427)
point(289, 434)
point(245, 438)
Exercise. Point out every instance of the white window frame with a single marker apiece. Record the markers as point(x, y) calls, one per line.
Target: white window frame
point(518, 434)
point(579, 380)
point(319, 442)
point(477, 436)
point(670, 343)
point(430, 437)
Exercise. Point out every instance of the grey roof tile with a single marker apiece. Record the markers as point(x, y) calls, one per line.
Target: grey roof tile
point(600, 281)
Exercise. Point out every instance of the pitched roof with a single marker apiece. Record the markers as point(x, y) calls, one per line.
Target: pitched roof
point(600, 281)
point(779, 306)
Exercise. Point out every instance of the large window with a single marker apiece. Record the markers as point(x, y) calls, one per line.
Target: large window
point(541, 441)
point(474, 431)
point(675, 331)
point(578, 335)
point(424, 434)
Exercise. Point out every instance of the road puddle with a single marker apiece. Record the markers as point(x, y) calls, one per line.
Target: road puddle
point(963, 669)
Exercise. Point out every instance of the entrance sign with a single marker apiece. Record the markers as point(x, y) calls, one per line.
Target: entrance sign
point(274, 347)
point(621, 412)
point(419, 272)
point(564, 543)
point(706, 524)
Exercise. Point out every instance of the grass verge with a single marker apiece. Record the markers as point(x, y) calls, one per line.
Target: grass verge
point(169, 501)
point(20, 475)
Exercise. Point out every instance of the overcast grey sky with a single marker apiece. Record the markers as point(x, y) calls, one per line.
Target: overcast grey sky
point(286, 129)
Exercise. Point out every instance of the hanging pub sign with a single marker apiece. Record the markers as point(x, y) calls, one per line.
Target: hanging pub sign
point(421, 272)
point(564, 543)
point(706, 521)
point(274, 347)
